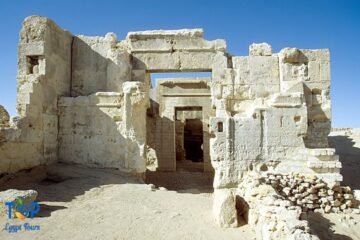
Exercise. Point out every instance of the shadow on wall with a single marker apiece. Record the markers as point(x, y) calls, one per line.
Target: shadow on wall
point(99, 125)
point(92, 72)
point(349, 157)
point(321, 227)
point(152, 151)
point(89, 134)
point(160, 138)
point(180, 181)
point(319, 125)
point(165, 136)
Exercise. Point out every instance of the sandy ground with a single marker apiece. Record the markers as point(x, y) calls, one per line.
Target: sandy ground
point(81, 203)
point(335, 226)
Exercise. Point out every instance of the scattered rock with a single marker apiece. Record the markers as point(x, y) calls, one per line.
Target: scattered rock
point(348, 196)
point(152, 187)
point(327, 209)
point(356, 211)
point(311, 193)
point(357, 194)
point(224, 208)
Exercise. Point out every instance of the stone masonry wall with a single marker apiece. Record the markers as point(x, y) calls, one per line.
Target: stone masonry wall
point(99, 64)
point(282, 101)
point(85, 99)
point(43, 75)
point(272, 111)
point(103, 129)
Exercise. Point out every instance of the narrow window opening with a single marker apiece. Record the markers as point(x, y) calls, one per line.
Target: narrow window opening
point(220, 127)
point(32, 64)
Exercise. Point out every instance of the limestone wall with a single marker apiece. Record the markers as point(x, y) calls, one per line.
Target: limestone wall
point(99, 64)
point(102, 129)
point(177, 50)
point(317, 93)
point(282, 101)
point(43, 75)
point(90, 127)
point(84, 100)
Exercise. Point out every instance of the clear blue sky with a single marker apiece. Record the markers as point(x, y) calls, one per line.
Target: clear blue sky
point(303, 24)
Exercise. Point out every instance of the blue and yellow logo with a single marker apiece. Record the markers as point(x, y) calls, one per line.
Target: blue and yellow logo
point(22, 211)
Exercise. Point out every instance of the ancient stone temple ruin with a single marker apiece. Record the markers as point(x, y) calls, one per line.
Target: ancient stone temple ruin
point(90, 100)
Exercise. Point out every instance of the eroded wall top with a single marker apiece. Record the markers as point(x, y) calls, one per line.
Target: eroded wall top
point(279, 99)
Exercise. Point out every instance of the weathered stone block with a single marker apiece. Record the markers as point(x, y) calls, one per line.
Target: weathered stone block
point(292, 55)
point(156, 61)
point(158, 34)
point(260, 49)
point(224, 208)
point(202, 61)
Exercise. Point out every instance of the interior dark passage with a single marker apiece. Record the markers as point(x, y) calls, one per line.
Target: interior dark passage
point(189, 138)
point(193, 140)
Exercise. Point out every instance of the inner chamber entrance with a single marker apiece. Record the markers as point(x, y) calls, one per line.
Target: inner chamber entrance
point(178, 124)
point(178, 135)
point(189, 138)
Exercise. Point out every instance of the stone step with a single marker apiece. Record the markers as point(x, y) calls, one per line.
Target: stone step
point(322, 154)
point(324, 164)
point(330, 177)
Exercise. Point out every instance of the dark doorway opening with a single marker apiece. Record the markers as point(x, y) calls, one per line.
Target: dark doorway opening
point(189, 139)
point(193, 140)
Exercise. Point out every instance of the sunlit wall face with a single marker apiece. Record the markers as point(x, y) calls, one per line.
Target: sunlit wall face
point(155, 76)
point(318, 24)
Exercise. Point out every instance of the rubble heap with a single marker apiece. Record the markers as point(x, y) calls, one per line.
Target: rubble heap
point(273, 216)
point(311, 193)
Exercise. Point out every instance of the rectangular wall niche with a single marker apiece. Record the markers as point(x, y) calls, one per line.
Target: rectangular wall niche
point(32, 64)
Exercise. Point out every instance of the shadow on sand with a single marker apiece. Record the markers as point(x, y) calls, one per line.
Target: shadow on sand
point(60, 183)
point(321, 227)
point(349, 157)
point(182, 181)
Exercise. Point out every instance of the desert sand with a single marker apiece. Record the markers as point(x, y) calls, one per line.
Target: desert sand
point(83, 203)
